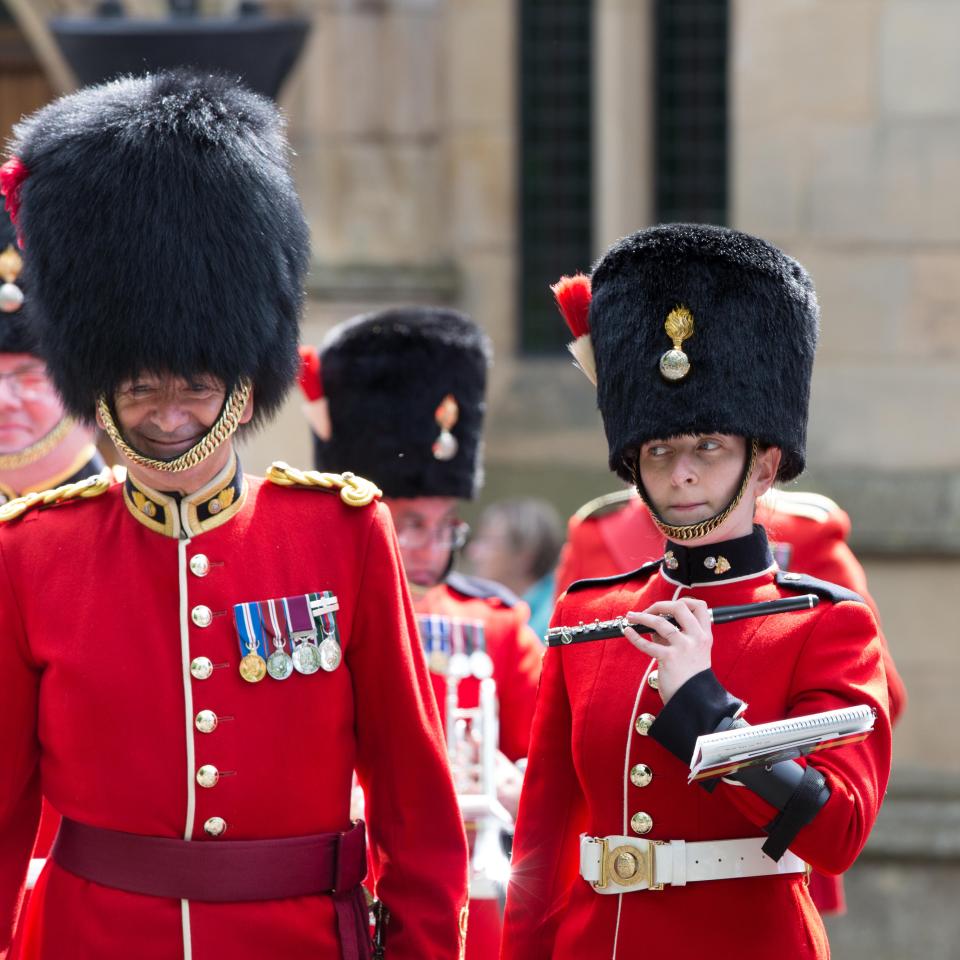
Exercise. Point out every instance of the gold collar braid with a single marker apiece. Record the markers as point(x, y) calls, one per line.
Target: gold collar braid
point(39, 448)
point(224, 428)
point(693, 531)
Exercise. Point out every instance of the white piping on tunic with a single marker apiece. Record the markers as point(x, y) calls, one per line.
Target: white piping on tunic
point(188, 709)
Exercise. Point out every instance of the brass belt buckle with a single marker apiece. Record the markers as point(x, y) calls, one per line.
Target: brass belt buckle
point(627, 866)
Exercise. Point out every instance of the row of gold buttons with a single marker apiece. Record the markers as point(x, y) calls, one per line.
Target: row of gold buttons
point(640, 774)
point(201, 668)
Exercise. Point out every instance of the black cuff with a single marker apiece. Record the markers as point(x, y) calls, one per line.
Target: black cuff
point(810, 795)
point(698, 707)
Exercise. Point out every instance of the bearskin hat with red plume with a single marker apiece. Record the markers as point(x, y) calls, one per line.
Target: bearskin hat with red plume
point(161, 232)
point(405, 389)
point(697, 329)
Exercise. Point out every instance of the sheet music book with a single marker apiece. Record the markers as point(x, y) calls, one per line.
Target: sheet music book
point(720, 754)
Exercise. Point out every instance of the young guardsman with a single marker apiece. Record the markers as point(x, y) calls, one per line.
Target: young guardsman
point(400, 395)
point(700, 341)
point(808, 534)
point(40, 445)
point(195, 660)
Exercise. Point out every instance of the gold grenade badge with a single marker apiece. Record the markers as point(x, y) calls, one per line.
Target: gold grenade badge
point(446, 416)
point(675, 364)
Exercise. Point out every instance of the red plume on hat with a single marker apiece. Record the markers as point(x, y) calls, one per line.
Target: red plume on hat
point(12, 175)
point(573, 298)
point(315, 409)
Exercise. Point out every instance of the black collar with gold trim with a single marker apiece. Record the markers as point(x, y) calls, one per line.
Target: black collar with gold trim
point(715, 562)
point(186, 515)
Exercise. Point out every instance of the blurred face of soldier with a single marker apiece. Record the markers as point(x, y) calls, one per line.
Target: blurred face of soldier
point(495, 554)
point(428, 532)
point(162, 416)
point(29, 405)
point(693, 478)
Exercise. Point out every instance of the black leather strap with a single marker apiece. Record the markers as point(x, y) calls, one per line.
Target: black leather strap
point(810, 795)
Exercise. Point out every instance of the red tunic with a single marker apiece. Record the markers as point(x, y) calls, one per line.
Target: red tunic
point(584, 742)
point(516, 652)
point(105, 617)
point(809, 534)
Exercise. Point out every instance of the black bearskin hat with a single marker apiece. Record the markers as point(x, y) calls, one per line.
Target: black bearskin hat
point(15, 335)
point(162, 233)
point(395, 381)
point(755, 322)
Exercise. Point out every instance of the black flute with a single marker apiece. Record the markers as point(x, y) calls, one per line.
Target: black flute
point(610, 629)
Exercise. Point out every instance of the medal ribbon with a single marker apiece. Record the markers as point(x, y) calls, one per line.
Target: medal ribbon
point(249, 629)
point(271, 623)
point(297, 612)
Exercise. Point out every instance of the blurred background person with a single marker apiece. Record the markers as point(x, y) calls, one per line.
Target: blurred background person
point(400, 394)
point(41, 447)
point(517, 542)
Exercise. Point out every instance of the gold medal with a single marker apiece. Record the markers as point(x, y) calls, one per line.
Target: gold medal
point(253, 668)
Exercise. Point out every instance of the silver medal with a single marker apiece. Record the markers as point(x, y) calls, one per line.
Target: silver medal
point(306, 658)
point(459, 666)
point(330, 655)
point(279, 665)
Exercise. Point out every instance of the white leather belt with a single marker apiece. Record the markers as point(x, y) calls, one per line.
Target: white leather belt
point(627, 864)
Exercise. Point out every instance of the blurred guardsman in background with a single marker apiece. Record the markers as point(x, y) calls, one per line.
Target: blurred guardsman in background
point(399, 395)
point(700, 341)
point(808, 534)
point(195, 660)
point(517, 542)
point(40, 445)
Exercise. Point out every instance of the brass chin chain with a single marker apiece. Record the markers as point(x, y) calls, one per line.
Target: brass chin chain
point(693, 531)
point(222, 430)
point(38, 449)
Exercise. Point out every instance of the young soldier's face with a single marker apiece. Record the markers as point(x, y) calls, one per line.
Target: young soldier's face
point(29, 405)
point(693, 478)
point(428, 532)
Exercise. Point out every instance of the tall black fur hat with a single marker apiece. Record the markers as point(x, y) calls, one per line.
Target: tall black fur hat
point(755, 322)
point(162, 232)
point(15, 335)
point(390, 379)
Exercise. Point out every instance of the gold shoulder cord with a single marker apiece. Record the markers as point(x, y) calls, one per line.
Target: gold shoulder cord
point(222, 430)
point(81, 489)
point(354, 491)
point(692, 531)
point(21, 458)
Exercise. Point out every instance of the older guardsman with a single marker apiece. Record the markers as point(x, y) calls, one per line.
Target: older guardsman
point(196, 660)
point(808, 533)
point(700, 341)
point(400, 394)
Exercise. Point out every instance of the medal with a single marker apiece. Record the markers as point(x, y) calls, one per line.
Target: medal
point(326, 606)
point(279, 663)
point(303, 634)
point(459, 661)
point(253, 667)
point(433, 636)
point(481, 666)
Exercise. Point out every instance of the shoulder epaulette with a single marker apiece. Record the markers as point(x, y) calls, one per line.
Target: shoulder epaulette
point(641, 573)
point(801, 503)
point(79, 490)
point(822, 588)
point(604, 505)
point(354, 491)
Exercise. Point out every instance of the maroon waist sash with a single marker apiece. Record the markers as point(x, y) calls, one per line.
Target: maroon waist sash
point(229, 871)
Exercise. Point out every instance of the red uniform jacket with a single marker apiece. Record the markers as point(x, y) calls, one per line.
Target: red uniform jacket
point(106, 606)
point(585, 741)
point(515, 649)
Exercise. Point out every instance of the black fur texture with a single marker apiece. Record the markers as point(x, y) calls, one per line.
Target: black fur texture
point(15, 333)
point(756, 321)
point(162, 232)
point(384, 375)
